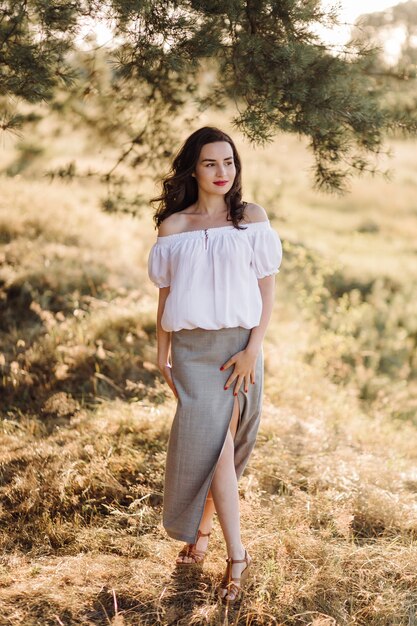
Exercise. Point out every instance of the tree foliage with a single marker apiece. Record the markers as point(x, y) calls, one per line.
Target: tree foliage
point(172, 56)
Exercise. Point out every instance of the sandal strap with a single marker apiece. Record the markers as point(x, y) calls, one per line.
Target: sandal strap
point(198, 552)
point(233, 588)
point(189, 549)
point(189, 552)
point(233, 585)
point(244, 560)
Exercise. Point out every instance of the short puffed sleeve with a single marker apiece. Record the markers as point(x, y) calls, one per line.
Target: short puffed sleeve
point(159, 265)
point(267, 249)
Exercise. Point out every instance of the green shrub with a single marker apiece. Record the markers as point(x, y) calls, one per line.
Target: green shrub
point(364, 335)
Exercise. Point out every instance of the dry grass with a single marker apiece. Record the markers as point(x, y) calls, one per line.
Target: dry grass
point(327, 513)
point(329, 507)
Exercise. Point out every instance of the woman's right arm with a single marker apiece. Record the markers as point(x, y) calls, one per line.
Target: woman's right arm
point(163, 336)
point(164, 342)
point(167, 227)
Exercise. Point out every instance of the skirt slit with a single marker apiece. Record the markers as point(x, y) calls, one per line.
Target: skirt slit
point(215, 467)
point(201, 422)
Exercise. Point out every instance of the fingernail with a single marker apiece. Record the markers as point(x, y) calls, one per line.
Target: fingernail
point(246, 388)
point(222, 368)
point(234, 393)
point(225, 387)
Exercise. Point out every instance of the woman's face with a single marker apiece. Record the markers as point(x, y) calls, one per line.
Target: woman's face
point(215, 170)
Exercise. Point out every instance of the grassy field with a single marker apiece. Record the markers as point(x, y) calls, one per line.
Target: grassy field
point(328, 501)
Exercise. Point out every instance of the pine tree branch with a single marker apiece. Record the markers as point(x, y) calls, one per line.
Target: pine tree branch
point(268, 60)
point(134, 142)
point(402, 77)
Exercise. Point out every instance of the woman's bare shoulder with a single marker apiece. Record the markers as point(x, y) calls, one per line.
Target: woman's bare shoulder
point(255, 213)
point(172, 224)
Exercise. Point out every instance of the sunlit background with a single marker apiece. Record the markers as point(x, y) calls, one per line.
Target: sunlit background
point(392, 37)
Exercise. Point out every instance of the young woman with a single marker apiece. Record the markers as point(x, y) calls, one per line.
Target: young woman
point(214, 262)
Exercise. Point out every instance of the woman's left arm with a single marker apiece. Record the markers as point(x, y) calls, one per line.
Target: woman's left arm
point(267, 288)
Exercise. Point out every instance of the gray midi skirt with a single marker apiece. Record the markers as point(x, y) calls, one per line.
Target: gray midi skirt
point(201, 421)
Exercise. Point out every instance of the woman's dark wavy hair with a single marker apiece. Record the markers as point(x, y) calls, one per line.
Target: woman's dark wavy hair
point(180, 188)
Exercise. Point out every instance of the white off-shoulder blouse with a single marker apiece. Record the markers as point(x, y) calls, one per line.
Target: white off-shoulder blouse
point(213, 275)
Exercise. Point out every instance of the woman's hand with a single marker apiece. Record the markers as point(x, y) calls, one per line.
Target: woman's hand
point(244, 369)
point(166, 371)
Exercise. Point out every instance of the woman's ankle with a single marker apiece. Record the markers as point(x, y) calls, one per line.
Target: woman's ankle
point(236, 552)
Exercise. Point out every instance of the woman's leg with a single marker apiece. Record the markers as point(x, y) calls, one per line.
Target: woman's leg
point(225, 492)
point(209, 509)
point(205, 527)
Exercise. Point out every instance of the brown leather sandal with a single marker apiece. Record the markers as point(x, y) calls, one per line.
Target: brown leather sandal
point(190, 550)
point(227, 584)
